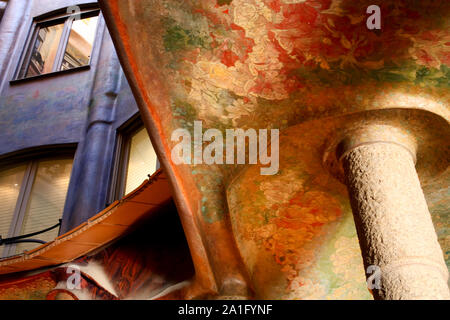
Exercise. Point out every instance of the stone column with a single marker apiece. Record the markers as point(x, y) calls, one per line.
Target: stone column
point(395, 229)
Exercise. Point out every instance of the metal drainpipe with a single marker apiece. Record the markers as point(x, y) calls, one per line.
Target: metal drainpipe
point(10, 26)
point(89, 183)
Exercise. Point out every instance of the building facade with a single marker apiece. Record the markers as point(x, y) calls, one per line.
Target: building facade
point(76, 107)
point(72, 141)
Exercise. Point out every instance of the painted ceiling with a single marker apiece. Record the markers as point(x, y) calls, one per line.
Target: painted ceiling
point(301, 66)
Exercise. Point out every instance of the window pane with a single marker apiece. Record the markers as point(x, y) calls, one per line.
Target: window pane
point(10, 184)
point(46, 202)
point(81, 40)
point(142, 160)
point(44, 50)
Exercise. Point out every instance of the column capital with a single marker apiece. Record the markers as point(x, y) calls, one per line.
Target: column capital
point(375, 132)
point(425, 135)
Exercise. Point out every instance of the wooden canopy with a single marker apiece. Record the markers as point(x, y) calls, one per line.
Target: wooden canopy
point(107, 226)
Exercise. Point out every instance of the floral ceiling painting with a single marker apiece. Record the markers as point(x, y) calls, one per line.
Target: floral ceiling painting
point(285, 64)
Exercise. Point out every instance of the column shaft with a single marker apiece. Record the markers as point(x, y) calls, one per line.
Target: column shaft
point(394, 225)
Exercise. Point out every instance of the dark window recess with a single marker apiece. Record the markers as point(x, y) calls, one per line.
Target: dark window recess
point(60, 43)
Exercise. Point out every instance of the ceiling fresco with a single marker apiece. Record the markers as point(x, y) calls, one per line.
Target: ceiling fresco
point(297, 66)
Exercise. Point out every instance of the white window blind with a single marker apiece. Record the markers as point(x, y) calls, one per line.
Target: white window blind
point(142, 160)
point(10, 184)
point(46, 202)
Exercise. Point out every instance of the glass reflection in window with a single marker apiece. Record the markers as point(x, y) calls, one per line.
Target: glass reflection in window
point(45, 50)
point(81, 41)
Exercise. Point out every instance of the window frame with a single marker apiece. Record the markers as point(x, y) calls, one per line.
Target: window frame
point(31, 161)
point(54, 19)
point(122, 155)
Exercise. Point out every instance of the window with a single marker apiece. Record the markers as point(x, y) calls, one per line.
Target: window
point(60, 43)
point(3, 4)
point(135, 159)
point(33, 195)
